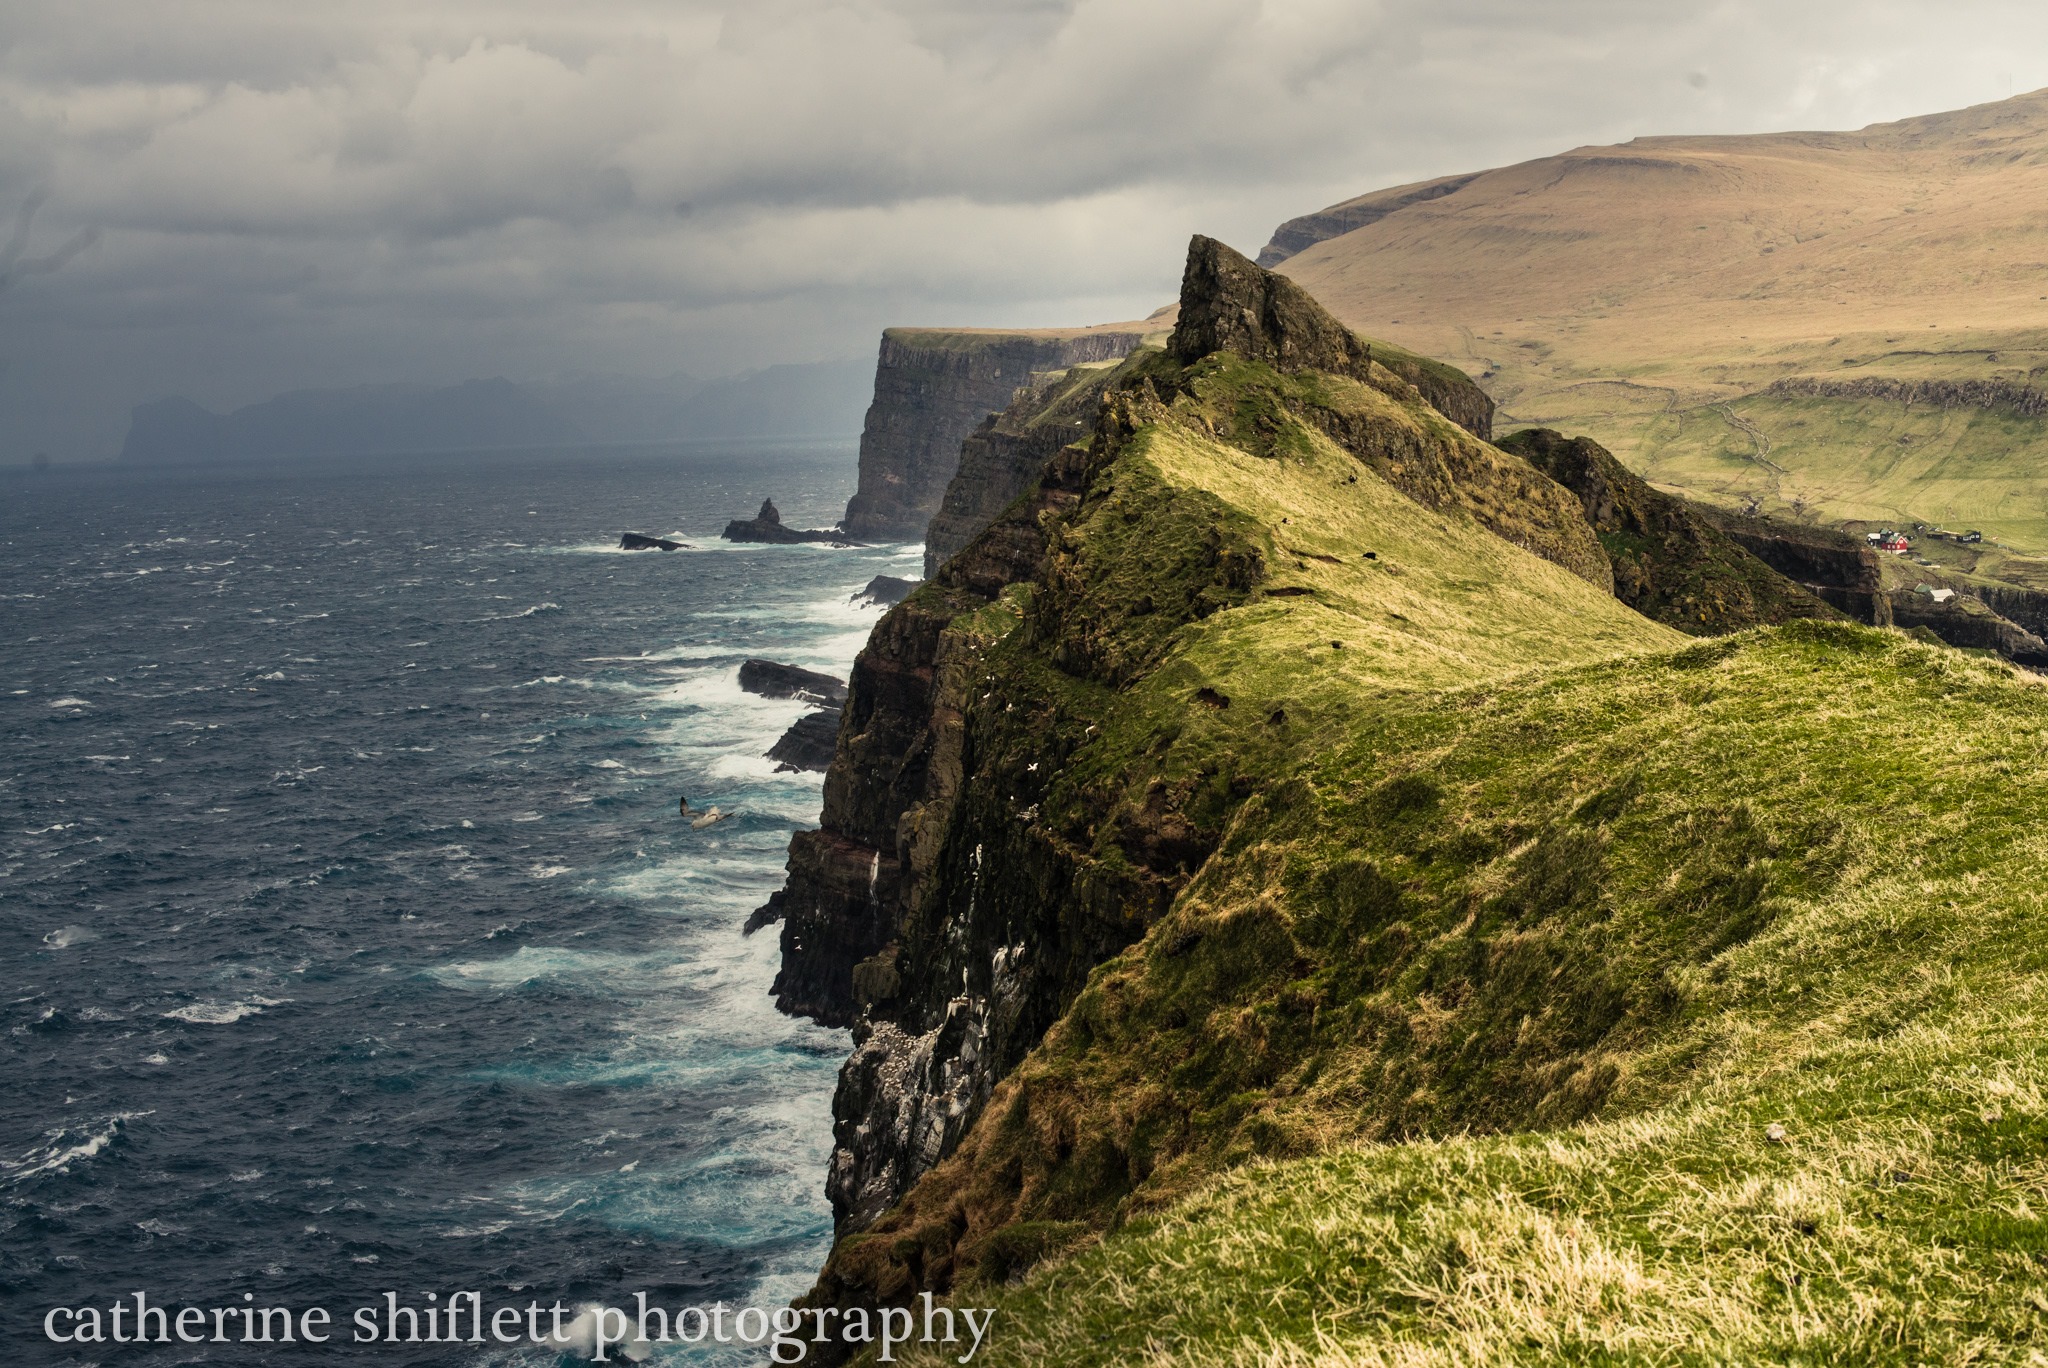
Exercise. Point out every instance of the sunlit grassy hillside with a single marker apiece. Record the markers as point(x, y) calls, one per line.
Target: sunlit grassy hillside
point(1772, 907)
point(1558, 988)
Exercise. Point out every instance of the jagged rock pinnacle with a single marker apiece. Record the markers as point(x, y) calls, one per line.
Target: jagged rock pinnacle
point(1229, 304)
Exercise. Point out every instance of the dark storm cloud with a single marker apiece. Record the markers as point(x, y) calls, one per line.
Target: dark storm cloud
point(308, 194)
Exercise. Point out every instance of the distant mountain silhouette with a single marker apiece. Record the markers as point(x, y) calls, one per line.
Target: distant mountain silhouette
point(791, 401)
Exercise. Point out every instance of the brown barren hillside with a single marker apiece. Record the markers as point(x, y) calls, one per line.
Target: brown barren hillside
point(1652, 294)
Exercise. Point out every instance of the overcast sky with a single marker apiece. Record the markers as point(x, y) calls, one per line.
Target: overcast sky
point(237, 197)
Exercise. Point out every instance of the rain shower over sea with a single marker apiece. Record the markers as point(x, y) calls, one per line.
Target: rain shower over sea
point(352, 941)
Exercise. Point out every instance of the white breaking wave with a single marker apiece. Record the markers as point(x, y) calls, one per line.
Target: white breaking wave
point(64, 1149)
point(221, 1013)
point(541, 964)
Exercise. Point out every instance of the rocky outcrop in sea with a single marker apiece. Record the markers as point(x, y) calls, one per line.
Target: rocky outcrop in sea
point(766, 526)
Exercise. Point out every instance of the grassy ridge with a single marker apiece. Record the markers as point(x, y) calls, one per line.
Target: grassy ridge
point(1526, 920)
point(1207, 621)
point(1789, 878)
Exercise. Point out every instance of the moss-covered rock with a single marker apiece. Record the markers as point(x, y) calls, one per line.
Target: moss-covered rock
point(1670, 561)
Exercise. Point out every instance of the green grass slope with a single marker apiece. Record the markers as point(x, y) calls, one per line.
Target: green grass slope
point(1868, 460)
point(1689, 1004)
point(1558, 988)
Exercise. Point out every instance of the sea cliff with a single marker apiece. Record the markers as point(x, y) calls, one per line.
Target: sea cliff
point(962, 885)
point(935, 386)
point(1288, 859)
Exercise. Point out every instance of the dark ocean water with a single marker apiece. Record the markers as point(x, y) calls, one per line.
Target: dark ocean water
point(351, 940)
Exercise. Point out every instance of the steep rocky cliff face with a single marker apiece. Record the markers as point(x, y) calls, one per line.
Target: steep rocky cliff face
point(1003, 458)
point(1969, 622)
point(1850, 576)
point(933, 388)
point(1004, 813)
point(2025, 608)
point(1833, 565)
point(2022, 400)
point(948, 976)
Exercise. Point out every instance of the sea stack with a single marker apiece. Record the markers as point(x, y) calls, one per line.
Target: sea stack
point(766, 526)
point(771, 679)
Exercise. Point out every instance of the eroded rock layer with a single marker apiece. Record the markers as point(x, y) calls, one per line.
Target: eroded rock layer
point(1670, 562)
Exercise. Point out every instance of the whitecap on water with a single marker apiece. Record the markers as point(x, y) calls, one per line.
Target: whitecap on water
point(743, 766)
point(69, 702)
point(539, 964)
point(220, 1013)
point(65, 1147)
point(64, 937)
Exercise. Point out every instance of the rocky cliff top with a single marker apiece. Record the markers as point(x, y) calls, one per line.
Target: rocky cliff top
point(1230, 304)
point(1227, 303)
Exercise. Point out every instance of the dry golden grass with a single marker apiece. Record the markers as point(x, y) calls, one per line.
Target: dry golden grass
point(1610, 287)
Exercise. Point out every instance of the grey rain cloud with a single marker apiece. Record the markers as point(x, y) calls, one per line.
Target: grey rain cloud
point(328, 193)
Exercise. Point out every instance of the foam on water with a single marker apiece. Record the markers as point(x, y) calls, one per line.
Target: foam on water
point(64, 1148)
point(219, 1013)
